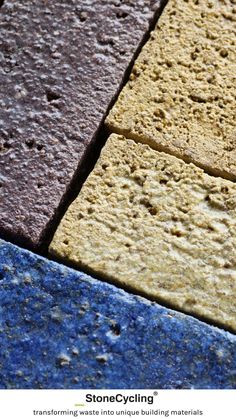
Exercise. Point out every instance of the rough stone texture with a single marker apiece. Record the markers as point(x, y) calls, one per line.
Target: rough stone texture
point(181, 94)
point(149, 221)
point(61, 64)
point(62, 329)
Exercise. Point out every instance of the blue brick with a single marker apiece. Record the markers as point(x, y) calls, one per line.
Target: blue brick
point(62, 329)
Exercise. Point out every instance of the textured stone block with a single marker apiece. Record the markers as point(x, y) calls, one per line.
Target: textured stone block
point(62, 63)
point(62, 329)
point(181, 94)
point(152, 222)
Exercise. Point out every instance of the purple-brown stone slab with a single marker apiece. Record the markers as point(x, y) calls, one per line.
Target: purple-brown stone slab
point(61, 66)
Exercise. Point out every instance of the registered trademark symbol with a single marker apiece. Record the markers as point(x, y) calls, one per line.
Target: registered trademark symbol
point(155, 393)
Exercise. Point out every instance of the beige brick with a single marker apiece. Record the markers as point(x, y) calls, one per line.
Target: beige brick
point(161, 227)
point(181, 94)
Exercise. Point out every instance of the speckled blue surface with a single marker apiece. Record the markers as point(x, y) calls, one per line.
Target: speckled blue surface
point(60, 328)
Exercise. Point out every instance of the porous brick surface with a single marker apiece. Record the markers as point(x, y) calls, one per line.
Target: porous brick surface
point(149, 221)
point(181, 94)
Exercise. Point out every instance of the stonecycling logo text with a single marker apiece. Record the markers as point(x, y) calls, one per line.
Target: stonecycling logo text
point(119, 398)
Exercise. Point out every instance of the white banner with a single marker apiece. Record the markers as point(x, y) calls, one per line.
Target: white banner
point(34, 404)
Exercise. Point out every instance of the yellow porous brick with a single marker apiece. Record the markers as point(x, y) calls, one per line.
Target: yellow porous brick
point(164, 228)
point(181, 94)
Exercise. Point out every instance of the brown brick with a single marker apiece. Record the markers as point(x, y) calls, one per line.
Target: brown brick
point(62, 63)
